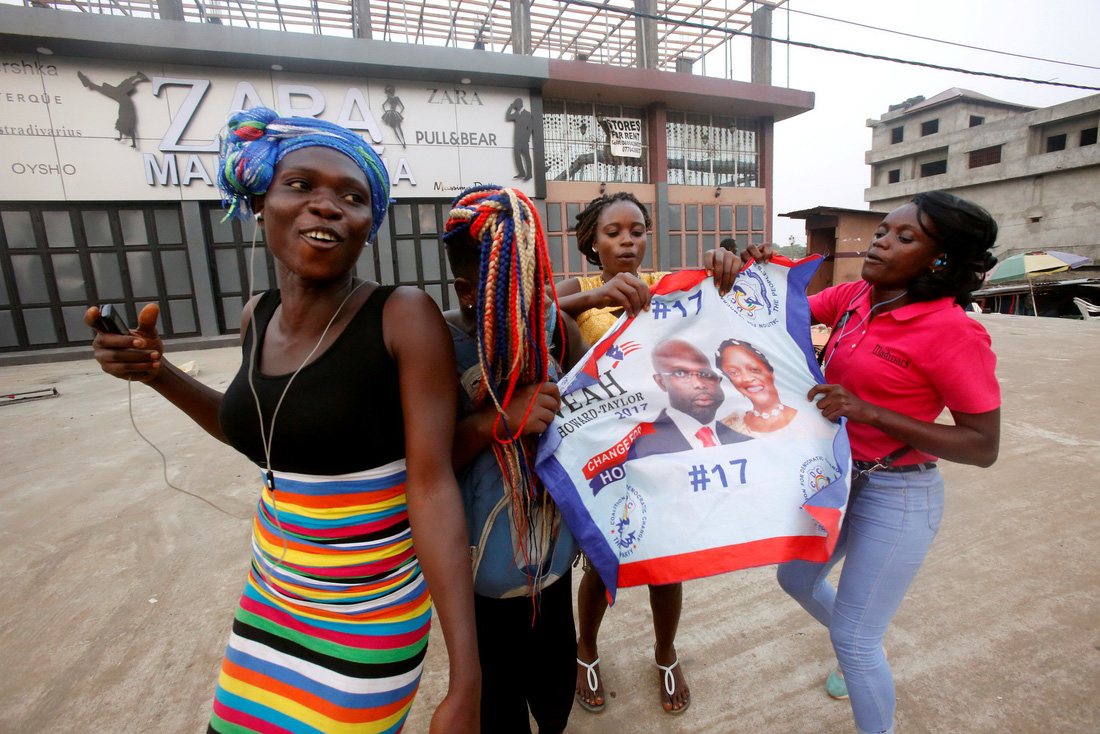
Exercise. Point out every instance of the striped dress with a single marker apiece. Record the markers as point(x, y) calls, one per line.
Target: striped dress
point(332, 628)
point(331, 631)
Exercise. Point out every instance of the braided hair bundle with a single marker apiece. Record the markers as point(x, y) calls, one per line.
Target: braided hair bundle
point(515, 288)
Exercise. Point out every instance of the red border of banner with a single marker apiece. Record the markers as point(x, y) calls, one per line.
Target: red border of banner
point(713, 561)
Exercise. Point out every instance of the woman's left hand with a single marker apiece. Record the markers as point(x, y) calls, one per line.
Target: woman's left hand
point(836, 401)
point(724, 265)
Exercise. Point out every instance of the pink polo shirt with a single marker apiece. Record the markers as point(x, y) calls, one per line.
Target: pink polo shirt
point(914, 360)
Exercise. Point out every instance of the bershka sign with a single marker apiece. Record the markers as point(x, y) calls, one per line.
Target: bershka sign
point(86, 129)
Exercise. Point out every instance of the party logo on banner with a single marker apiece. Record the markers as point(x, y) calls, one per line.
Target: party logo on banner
point(815, 474)
point(755, 298)
point(628, 520)
point(685, 445)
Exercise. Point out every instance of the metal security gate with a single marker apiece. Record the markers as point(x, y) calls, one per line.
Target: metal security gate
point(409, 251)
point(57, 259)
point(415, 249)
point(229, 246)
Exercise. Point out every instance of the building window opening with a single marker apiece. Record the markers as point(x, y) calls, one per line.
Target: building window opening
point(893, 176)
point(710, 150)
point(985, 157)
point(63, 257)
point(976, 120)
point(1088, 136)
point(929, 128)
point(934, 168)
point(595, 142)
point(897, 135)
point(1056, 143)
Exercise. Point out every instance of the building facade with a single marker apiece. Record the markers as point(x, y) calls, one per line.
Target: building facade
point(111, 127)
point(1037, 171)
point(841, 237)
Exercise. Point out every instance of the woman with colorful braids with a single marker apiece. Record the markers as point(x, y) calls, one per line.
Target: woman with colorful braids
point(509, 344)
point(345, 399)
point(611, 233)
point(924, 261)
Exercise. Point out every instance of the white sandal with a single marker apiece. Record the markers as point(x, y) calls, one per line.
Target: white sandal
point(670, 686)
point(593, 681)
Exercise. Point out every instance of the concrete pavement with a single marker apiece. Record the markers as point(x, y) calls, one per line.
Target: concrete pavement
point(119, 591)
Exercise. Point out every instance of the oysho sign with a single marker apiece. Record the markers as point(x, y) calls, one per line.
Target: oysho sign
point(85, 129)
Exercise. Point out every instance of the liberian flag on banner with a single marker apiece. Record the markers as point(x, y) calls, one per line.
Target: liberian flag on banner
point(659, 464)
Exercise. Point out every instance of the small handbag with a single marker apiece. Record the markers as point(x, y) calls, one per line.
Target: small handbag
point(860, 478)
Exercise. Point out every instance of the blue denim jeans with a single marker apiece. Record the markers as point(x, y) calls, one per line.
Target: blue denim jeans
point(885, 538)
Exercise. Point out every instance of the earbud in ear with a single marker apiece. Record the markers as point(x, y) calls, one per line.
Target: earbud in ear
point(260, 217)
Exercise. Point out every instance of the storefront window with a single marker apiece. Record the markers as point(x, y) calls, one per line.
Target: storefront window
point(710, 150)
point(582, 140)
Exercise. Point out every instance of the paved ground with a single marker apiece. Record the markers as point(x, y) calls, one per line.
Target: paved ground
point(119, 591)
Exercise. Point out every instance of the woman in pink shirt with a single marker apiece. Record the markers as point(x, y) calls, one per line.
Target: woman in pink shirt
point(902, 350)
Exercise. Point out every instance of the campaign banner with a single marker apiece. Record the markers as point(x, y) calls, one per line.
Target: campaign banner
point(685, 445)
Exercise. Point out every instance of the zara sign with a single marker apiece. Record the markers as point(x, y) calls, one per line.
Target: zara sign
point(86, 129)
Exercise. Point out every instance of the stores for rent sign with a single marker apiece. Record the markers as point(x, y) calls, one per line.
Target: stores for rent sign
point(624, 136)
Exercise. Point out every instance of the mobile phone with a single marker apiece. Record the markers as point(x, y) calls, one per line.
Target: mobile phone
point(111, 320)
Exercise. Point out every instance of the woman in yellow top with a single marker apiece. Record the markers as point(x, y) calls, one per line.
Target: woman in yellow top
point(611, 233)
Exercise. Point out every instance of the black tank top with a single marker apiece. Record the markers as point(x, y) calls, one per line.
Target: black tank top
point(341, 414)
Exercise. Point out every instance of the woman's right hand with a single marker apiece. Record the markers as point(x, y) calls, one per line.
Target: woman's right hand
point(626, 291)
point(544, 401)
point(135, 356)
point(760, 253)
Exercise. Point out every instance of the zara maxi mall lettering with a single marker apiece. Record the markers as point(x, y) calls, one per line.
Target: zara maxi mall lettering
point(88, 130)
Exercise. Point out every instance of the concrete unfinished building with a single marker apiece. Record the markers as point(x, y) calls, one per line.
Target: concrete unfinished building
point(1037, 171)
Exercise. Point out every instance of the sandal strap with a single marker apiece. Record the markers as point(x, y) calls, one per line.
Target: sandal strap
point(590, 673)
point(670, 681)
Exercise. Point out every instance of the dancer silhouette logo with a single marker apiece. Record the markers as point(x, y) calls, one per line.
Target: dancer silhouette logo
point(126, 124)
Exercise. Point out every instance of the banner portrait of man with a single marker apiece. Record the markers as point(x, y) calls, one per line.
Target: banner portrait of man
point(685, 446)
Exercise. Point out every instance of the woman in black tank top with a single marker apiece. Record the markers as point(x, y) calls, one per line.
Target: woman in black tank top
point(354, 386)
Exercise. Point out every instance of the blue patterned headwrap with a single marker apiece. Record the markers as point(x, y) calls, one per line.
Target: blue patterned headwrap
point(257, 139)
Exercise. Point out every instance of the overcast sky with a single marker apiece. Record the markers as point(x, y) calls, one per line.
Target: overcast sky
point(819, 155)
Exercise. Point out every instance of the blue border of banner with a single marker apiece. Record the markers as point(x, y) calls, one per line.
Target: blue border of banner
point(580, 523)
point(834, 495)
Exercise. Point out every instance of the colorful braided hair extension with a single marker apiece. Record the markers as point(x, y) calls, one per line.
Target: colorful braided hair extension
point(257, 139)
point(515, 288)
